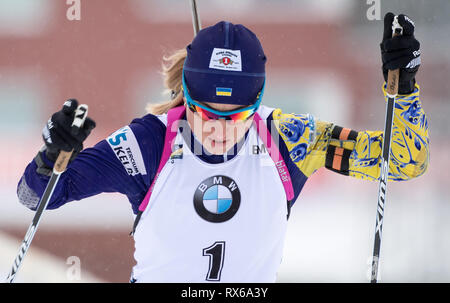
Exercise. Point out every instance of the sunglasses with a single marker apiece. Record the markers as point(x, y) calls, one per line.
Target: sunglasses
point(207, 113)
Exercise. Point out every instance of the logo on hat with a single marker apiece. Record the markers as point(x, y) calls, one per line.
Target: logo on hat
point(226, 59)
point(217, 199)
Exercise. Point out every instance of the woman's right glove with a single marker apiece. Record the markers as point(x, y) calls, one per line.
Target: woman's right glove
point(58, 134)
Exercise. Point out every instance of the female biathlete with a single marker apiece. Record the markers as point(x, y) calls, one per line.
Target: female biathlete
point(212, 174)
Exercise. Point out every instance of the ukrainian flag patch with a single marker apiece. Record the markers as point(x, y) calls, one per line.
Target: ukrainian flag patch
point(223, 91)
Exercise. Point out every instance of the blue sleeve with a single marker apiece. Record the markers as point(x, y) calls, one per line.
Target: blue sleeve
point(109, 166)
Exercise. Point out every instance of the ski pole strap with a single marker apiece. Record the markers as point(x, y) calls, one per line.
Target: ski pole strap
point(274, 153)
point(338, 157)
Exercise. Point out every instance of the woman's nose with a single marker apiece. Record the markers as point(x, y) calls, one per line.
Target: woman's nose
point(219, 129)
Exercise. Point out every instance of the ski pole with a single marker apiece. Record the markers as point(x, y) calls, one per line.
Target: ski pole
point(195, 17)
point(58, 169)
point(392, 91)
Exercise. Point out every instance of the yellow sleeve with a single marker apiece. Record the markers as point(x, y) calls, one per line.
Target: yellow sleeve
point(313, 144)
point(409, 146)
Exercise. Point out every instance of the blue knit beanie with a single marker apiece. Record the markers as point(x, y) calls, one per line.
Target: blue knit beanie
point(225, 64)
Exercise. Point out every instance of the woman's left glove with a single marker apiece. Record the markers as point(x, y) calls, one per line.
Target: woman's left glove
point(401, 52)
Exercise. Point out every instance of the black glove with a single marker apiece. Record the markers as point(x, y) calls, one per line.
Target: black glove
point(401, 52)
point(59, 134)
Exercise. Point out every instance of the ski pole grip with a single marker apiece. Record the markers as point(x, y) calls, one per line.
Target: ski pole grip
point(64, 157)
point(392, 83)
point(61, 162)
point(393, 75)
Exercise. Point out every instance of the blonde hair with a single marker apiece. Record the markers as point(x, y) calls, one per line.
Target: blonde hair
point(172, 70)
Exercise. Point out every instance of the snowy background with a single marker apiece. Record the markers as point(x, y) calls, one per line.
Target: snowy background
point(323, 58)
